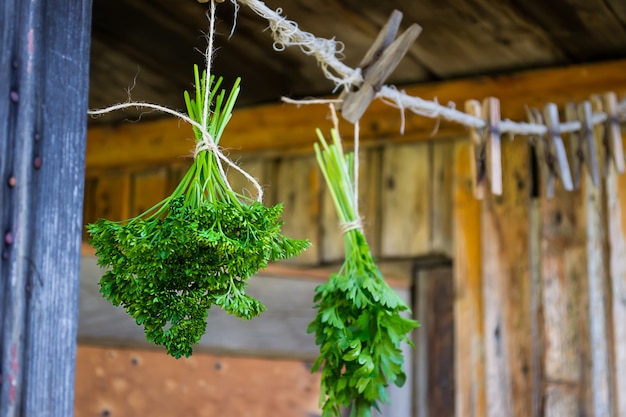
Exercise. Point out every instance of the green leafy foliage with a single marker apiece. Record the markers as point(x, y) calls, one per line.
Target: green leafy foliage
point(196, 248)
point(360, 324)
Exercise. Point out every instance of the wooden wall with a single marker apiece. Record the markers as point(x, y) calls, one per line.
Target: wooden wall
point(424, 201)
point(538, 284)
point(540, 288)
point(127, 383)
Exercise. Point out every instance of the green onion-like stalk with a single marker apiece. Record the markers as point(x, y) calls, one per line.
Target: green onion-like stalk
point(196, 248)
point(359, 324)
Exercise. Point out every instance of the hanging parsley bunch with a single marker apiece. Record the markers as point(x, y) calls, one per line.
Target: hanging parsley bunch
point(359, 326)
point(196, 248)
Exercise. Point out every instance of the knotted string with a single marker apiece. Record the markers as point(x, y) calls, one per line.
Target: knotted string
point(207, 142)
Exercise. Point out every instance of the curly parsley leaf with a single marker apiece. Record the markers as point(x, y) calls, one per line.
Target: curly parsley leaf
point(195, 249)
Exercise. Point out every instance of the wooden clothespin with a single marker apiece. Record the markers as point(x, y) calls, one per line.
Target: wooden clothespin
point(478, 151)
point(545, 161)
point(602, 145)
point(485, 148)
point(583, 144)
point(612, 131)
point(378, 63)
point(555, 152)
point(491, 115)
point(550, 150)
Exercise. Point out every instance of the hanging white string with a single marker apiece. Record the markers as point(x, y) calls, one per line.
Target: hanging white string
point(207, 142)
point(326, 51)
point(356, 170)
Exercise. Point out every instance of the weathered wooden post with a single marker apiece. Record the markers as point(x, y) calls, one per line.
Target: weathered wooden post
point(44, 61)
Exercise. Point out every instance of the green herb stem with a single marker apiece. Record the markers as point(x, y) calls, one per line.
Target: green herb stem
point(360, 321)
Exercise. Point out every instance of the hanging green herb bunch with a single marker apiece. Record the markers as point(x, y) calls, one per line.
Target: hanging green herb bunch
point(359, 324)
point(196, 248)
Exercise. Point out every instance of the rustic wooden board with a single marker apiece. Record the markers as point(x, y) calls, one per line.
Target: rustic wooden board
point(44, 83)
point(371, 201)
point(470, 399)
point(450, 26)
point(574, 32)
point(405, 221)
point(110, 197)
point(564, 304)
point(148, 188)
point(616, 222)
point(121, 382)
point(506, 288)
point(536, 307)
point(598, 315)
point(442, 178)
point(298, 184)
point(434, 343)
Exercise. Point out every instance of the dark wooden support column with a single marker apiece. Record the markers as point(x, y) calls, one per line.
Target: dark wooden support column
point(44, 61)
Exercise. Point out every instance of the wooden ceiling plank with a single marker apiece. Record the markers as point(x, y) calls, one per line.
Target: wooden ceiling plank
point(584, 29)
point(284, 128)
point(462, 38)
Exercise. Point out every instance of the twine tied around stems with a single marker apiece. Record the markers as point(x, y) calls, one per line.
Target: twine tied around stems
point(207, 143)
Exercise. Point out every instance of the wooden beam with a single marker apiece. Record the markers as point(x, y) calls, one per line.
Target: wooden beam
point(287, 128)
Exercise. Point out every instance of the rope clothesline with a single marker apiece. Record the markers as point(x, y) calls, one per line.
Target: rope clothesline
point(326, 51)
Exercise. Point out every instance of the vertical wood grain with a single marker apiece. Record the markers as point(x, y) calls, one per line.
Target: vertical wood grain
point(598, 315)
point(406, 191)
point(564, 302)
point(111, 196)
point(44, 88)
point(434, 365)
point(468, 303)
point(371, 201)
point(441, 201)
point(616, 220)
point(148, 188)
point(597, 274)
point(298, 186)
point(506, 288)
point(536, 307)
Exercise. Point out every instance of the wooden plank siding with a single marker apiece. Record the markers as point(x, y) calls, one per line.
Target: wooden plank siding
point(539, 284)
point(434, 384)
point(616, 226)
point(506, 288)
point(470, 395)
point(564, 328)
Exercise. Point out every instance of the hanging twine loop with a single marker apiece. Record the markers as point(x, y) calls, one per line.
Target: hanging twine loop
point(207, 143)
